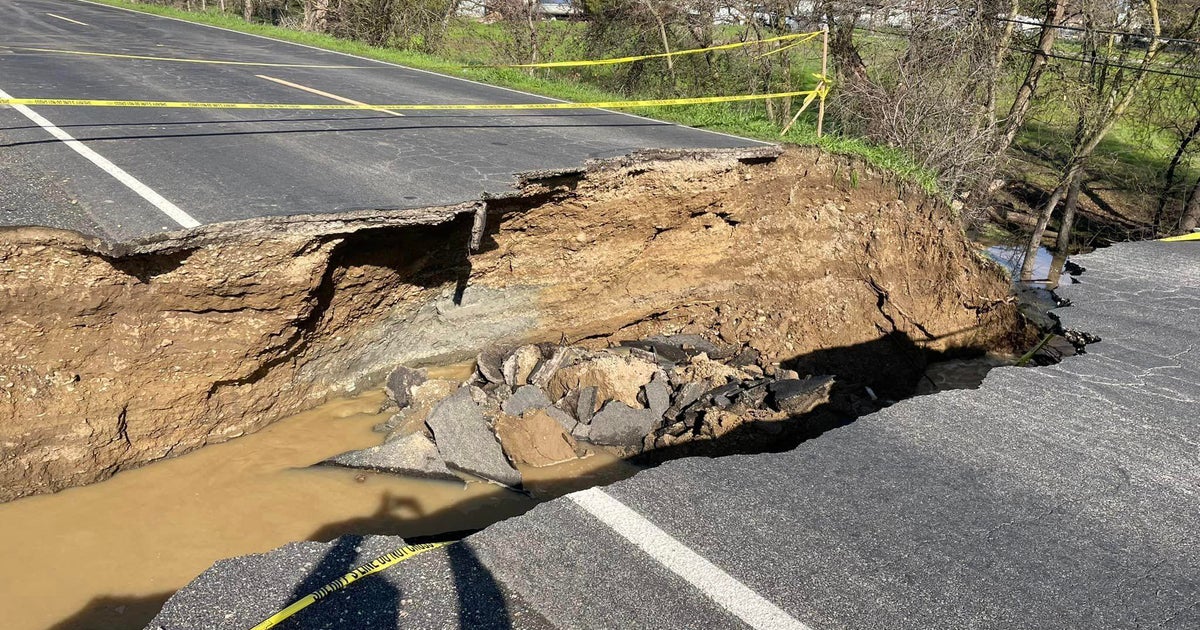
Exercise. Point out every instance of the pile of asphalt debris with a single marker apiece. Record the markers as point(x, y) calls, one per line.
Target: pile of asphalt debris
point(543, 404)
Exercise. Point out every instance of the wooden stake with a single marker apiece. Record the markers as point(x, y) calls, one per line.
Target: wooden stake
point(824, 70)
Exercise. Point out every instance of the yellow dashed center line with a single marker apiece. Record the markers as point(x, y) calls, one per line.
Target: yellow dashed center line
point(348, 101)
point(67, 19)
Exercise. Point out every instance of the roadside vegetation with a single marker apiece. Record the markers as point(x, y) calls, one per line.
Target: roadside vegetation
point(1030, 116)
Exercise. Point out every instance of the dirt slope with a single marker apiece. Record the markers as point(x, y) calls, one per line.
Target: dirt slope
point(116, 360)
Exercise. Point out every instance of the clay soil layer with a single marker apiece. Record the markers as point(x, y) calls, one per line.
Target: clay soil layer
point(114, 358)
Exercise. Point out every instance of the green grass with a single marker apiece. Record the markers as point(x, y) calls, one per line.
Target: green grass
point(738, 119)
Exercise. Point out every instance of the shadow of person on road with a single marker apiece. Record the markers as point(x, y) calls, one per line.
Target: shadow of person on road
point(373, 601)
point(481, 605)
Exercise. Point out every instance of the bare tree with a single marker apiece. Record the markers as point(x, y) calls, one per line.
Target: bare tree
point(931, 93)
point(1185, 138)
point(1114, 87)
point(1019, 110)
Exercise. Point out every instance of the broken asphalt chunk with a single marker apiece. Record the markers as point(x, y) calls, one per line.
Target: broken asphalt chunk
point(466, 442)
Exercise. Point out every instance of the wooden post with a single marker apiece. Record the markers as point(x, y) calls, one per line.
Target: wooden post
point(824, 69)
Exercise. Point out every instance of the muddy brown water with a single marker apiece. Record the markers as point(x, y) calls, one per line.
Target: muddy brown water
point(105, 556)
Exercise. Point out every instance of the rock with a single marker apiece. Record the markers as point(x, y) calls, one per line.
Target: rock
point(796, 396)
point(685, 346)
point(745, 357)
point(702, 368)
point(755, 396)
point(657, 394)
point(615, 377)
point(400, 383)
point(717, 424)
point(618, 424)
point(644, 355)
point(411, 419)
point(727, 391)
point(667, 440)
point(431, 392)
point(466, 442)
point(520, 365)
point(535, 439)
point(413, 455)
point(585, 408)
point(753, 371)
point(526, 398)
point(490, 363)
point(661, 352)
point(480, 397)
point(569, 403)
point(544, 372)
point(783, 374)
point(563, 418)
point(689, 393)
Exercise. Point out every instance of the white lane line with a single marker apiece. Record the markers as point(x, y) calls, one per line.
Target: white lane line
point(335, 97)
point(145, 192)
point(431, 72)
point(716, 584)
point(67, 19)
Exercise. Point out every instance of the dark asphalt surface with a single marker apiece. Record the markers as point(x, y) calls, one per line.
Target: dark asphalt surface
point(222, 165)
point(1058, 497)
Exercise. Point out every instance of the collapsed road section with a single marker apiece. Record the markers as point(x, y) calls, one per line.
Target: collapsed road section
point(728, 276)
point(1057, 497)
point(122, 357)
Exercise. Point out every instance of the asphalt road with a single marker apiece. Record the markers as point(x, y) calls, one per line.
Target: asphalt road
point(221, 165)
point(1060, 497)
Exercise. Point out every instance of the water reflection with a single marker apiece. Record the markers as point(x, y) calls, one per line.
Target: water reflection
point(1047, 266)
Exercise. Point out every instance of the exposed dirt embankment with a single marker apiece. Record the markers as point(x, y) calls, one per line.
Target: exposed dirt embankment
point(113, 359)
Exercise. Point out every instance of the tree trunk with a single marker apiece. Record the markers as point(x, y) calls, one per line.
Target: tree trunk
point(1063, 242)
point(1041, 56)
point(841, 44)
point(1191, 210)
point(316, 15)
point(998, 60)
point(248, 10)
point(662, 33)
point(1039, 229)
point(1169, 178)
point(530, 7)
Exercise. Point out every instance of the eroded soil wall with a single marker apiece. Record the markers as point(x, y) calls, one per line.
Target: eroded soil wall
point(115, 360)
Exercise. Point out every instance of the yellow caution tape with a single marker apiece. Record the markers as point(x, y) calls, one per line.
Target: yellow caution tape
point(378, 564)
point(810, 37)
point(1194, 236)
point(615, 60)
point(821, 91)
point(184, 60)
point(700, 100)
